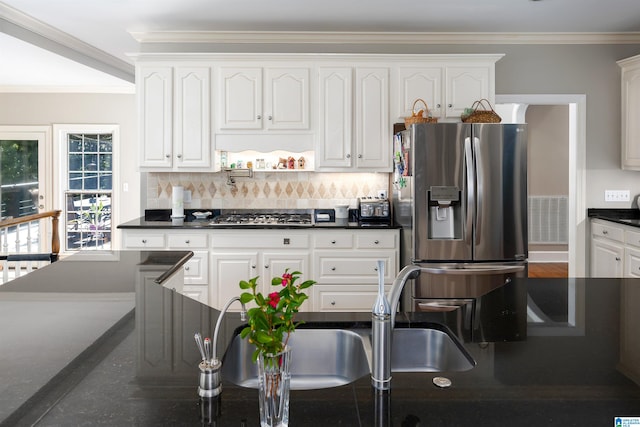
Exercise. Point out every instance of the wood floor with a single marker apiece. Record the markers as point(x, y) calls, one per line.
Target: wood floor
point(555, 269)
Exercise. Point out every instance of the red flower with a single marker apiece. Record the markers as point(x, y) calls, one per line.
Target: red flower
point(274, 298)
point(286, 279)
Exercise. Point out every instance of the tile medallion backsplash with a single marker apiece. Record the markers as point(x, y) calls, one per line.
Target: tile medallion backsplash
point(266, 190)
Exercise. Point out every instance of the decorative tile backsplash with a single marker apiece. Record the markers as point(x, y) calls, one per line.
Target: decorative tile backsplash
point(266, 190)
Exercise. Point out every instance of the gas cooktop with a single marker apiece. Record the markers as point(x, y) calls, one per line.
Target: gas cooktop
point(262, 218)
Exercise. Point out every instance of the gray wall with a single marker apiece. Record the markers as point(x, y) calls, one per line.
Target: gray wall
point(46, 109)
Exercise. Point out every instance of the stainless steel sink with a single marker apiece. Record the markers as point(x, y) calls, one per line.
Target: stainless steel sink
point(428, 350)
point(321, 358)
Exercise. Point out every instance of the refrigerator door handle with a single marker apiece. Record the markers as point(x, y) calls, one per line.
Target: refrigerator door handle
point(471, 191)
point(489, 269)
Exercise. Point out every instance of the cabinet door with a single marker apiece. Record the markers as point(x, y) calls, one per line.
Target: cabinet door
point(241, 98)
point(274, 264)
point(336, 116)
point(227, 270)
point(631, 262)
point(372, 119)
point(606, 259)
point(287, 98)
point(630, 114)
point(414, 83)
point(192, 141)
point(155, 104)
point(464, 86)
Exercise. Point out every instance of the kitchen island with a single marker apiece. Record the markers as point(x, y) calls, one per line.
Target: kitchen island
point(115, 348)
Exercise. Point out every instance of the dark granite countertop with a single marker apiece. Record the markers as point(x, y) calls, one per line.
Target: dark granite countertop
point(160, 219)
point(620, 216)
point(93, 343)
point(141, 223)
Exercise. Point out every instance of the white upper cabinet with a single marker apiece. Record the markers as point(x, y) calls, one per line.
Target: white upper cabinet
point(373, 134)
point(630, 112)
point(414, 83)
point(448, 85)
point(175, 118)
point(336, 117)
point(270, 98)
point(354, 119)
point(155, 110)
point(192, 134)
point(466, 84)
point(241, 98)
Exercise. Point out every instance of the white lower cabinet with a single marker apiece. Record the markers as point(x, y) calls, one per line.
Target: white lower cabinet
point(344, 297)
point(345, 267)
point(243, 255)
point(196, 269)
point(615, 249)
point(343, 262)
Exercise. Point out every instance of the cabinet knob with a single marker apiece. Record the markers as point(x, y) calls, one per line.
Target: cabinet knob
point(168, 156)
point(375, 268)
point(333, 269)
point(144, 241)
point(259, 117)
point(617, 258)
point(179, 156)
point(333, 303)
point(348, 156)
point(333, 242)
point(605, 232)
point(450, 105)
point(359, 156)
point(186, 268)
point(270, 118)
point(376, 242)
point(187, 241)
point(253, 266)
point(266, 266)
point(438, 105)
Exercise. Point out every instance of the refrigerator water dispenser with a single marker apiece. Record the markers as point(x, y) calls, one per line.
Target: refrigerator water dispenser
point(444, 212)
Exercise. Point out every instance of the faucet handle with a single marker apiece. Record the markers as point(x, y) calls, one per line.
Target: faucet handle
point(381, 307)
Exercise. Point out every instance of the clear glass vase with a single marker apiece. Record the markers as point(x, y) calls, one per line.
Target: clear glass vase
point(274, 377)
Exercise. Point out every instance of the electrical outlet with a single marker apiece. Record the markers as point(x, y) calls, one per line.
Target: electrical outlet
point(382, 194)
point(617, 195)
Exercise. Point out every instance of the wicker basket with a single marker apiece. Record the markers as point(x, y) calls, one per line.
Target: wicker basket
point(418, 117)
point(477, 115)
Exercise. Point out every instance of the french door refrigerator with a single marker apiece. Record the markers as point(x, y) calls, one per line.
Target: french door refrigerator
point(460, 195)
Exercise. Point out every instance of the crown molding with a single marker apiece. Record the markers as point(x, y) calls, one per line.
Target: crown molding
point(408, 38)
point(125, 89)
point(26, 28)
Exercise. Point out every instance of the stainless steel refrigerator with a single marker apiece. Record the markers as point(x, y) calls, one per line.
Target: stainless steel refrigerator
point(460, 195)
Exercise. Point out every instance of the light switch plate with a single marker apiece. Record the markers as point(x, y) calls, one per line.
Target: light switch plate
point(617, 195)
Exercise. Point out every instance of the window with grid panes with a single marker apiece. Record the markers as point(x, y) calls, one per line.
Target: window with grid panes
point(88, 196)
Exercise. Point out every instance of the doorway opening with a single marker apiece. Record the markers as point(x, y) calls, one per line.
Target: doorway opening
point(517, 106)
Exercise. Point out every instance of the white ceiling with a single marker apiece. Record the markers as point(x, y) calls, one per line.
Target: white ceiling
point(106, 25)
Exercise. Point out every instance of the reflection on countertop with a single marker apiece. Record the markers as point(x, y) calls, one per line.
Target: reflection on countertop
point(134, 361)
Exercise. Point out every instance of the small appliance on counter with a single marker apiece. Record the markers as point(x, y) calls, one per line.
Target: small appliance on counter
point(374, 211)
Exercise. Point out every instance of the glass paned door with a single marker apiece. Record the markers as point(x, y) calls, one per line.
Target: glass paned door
point(24, 154)
point(88, 196)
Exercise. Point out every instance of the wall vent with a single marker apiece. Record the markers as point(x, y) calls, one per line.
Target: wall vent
point(548, 219)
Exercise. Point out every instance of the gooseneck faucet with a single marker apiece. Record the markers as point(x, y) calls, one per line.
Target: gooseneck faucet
point(383, 318)
point(210, 376)
point(243, 317)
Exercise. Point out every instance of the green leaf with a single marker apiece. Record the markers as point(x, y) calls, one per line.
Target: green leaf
point(246, 297)
point(246, 331)
point(245, 285)
point(264, 337)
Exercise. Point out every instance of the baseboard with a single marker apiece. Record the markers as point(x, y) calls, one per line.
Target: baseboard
point(548, 256)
